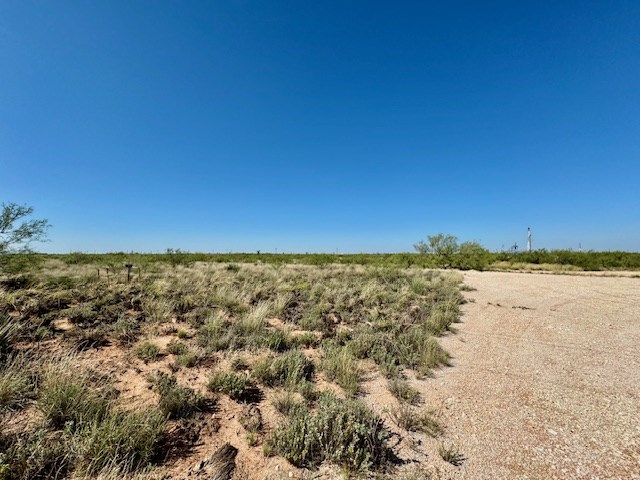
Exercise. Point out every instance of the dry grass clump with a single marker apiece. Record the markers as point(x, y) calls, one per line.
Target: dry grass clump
point(413, 420)
point(451, 454)
point(403, 391)
point(17, 382)
point(70, 399)
point(340, 365)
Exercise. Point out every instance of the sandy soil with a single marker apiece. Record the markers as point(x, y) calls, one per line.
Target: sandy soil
point(546, 378)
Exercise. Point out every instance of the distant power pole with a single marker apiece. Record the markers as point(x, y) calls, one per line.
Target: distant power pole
point(529, 239)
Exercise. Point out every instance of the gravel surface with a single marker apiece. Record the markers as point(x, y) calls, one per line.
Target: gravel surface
point(546, 378)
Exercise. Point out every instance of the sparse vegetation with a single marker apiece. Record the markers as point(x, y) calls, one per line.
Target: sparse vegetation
point(290, 329)
point(403, 391)
point(450, 454)
point(413, 420)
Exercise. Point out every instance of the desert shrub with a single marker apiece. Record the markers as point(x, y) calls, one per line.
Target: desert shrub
point(345, 432)
point(188, 360)
point(237, 386)
point(403, 391)
point(177, 348)
point(287, 404)
point(286, 370)
point(340, 365)
point(147, 351)
point(123, 441)
point(125, 330)
point(176, 401)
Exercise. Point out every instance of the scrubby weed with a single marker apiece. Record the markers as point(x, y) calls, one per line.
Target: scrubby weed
point(340, 365)
point(289, 369)
point(17, 383)
point(451, 454)
point(147, 351)
point(237, 386)
point(69, 399)
point(413, 420)
point(345, 432)
point(403, 391)
point(123, 441)
point(177, 401)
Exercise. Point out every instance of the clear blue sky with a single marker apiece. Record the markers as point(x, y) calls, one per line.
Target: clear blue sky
point(316, 126)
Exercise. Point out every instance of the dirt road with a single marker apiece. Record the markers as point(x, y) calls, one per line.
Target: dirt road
point(546, 378)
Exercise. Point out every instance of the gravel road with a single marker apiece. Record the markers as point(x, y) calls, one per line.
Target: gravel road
point(546, 378)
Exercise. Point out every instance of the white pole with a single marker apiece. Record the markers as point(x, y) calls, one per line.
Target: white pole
point(529, 239)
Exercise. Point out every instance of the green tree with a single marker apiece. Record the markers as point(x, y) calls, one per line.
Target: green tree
point(443, 246)
point(472, 255)
point(17, 231)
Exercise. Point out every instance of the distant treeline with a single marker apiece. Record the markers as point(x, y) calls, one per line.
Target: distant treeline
point(476, 259)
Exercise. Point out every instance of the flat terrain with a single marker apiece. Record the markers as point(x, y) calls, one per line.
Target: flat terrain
point(546, 378)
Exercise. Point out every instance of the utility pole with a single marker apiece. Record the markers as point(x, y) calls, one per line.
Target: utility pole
point(529, 239)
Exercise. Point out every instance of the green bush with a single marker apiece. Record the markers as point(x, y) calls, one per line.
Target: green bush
point(237, 386)
point(286, 370)
point(345, 432)
point(176, 401)
point(147, 351)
